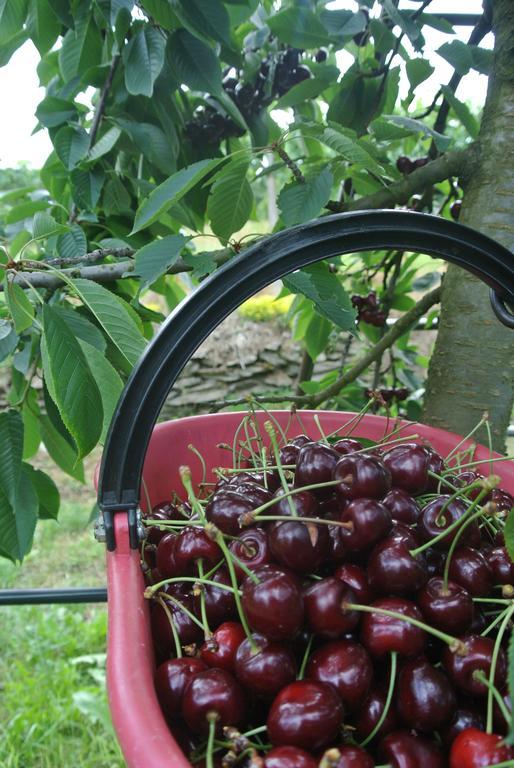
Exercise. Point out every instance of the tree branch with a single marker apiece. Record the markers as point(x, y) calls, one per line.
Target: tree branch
point(401, 326)
point(100, 108)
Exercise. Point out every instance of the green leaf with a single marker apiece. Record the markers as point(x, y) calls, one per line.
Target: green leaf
point(31, 431)
point(25, 210)
point(231, 199)
point(72, 243)
point(11, 452)
point(416, 126)
point(152, 142)
point(202, 264)
point(160, 11)
point(115, 319)
point(207, 17)
point(299, 27)
point(71, 144)
point(19, 306)
point(76, 393)
point(154, 259)
point(307, 89)
point(12, 16)
point(462, 111)
point(418, 70)
point(86, 187)
point(43, 25)
point(45, 225)
point(458, 54)
point(345, 146)
point(82, 328)
point(47, 492)
point(324, 289)
point(116, 198)
point(104, 144)
point(171, 191)
point(53, 111)
point(402, 19)
point(302, 202)
point(194, 63)
point(18, 519)
point(317, 335)
point(143, 58)
point(109, 383)
point(11, 46)
point(340, 23)
point(81, 48)
point(59, 450)
point(8, 339)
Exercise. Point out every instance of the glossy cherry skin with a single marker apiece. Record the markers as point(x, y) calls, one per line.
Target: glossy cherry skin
point(165, 556)
point(475, 749)
point(302, 547)
point(305, 504)
point(403, 532)
point(460, 668)
point(315, 464)
point(432, 522)
point(220, 605)
point(325, 610)
point(437, 466)
point(393, 570)
point(345, 665)
point(252, 548)
point(435, 560)
point(357, 579)
point(470, 569)
point(153, 533)
point(361, 476)
point(501, 566)
point(289, 757)
point(370, 521)
point(193, 544)
point(402, 749)
point(300, 440)
point(449, 608)
point(305, 714)
point(370, 713)
point(503, 500)
point(289, 454)
point(274, 606)
point(220, 649)
point(347, 445)
point(402, 506)
point(226, 508)
point(381, 634)
point(187, 630)
point(408, 465)
point(214, 690)
point(254, 492)
point(267, 670)
point(465, 479)
point(462, 720)
point(171, 680)
point(348, 756)
point(425, 699)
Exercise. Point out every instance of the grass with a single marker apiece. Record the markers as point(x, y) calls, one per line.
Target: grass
point(53, 706)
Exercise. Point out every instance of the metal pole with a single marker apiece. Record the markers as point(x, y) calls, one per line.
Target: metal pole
point(52, 596)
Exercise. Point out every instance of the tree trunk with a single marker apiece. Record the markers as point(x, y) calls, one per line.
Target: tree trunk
point(472, 367)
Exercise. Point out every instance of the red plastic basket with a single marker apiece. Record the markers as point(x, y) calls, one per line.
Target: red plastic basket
point(143, 734)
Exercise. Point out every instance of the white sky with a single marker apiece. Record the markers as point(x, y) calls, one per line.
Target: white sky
point(20, 93)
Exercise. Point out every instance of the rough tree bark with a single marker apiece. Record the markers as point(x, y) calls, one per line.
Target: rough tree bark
point(472, 367)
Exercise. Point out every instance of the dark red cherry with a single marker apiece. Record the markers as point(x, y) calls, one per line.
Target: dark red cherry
point(213, 691)
point(405, 164)
point(192, 545)
point(226, 508)
point(501, 566)
point(305, 714)
point(437, 466)
point(408, 465)
point(289, 454)
point(255, 493)
point(315, 464)
point(289, 757)
point(435, 560)
point(347, 756)
point(220, 605)
point(274, 606)
point(404, 533)
point(465, 479)
point(304, 502)
point(267, 668)
point(393, 570)
point(371, 712)
point(153, 533)
point(187, 630)
point(300, 440)
point(475, 749)
point(361, 476)
point(449, 608)
point(302, 547)
point(433, 521)
point(461, 720)
point(460, 668)
point(345, 665)
point(401, 506)
point(325, 610)
point(503, 500)
point(381, 634)
point(171, 680)
point(165, 556)
point(220, 649)
point(470, 569)
point(357, 579)
point(455, 209)
point(370, 521)
point(402, 749)
point(425, 699)
point(252, 548)
point(148, 557)
point(347, 445)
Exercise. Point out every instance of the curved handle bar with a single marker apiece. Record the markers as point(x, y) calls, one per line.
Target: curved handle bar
point(258, 266)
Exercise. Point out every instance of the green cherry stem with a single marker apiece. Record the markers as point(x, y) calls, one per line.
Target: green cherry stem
point(305, 659)
point(209, 757)
point(494, 662)
point(461, 492)
point(201, 460)
point(455, 543)
point(165, 596)
point(203, 609)
point(467, 437)
point(185, 476)
point(389, 698)
point(176, 639)
point(150, 591)
point(494, 623)
point(290, 492)
point(315, 520)
point(479, 675)
point(268, 426)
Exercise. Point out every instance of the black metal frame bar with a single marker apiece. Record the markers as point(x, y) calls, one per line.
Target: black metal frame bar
point(53, 596)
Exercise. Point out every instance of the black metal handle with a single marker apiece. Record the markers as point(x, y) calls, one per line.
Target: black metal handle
point(268, 260)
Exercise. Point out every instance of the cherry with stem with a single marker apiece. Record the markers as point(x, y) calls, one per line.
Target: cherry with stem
point(389, 698)
point(268, 426)
point(176, 639)
point(492, 671)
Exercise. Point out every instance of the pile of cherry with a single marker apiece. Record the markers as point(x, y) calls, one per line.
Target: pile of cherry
point(342, 606)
